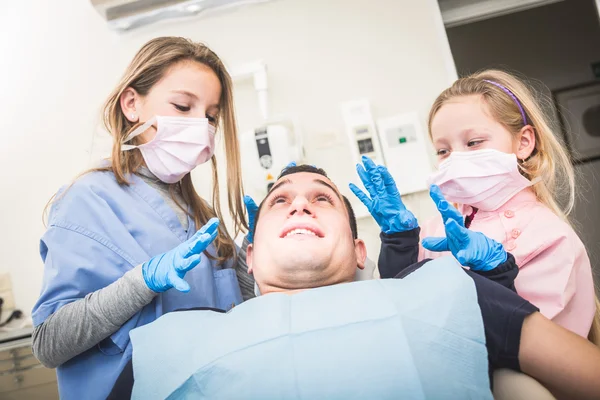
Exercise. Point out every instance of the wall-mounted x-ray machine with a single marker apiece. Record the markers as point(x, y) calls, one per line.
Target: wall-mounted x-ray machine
point(267, 148)
point(361, 131)
point(397, 142)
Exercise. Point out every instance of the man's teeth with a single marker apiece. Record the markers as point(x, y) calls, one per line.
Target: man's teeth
point(300, 232)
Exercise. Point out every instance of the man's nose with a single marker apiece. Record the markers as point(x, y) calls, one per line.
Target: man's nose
point(300, 206)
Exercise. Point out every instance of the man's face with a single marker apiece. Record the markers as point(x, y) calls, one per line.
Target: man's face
point(303, 237)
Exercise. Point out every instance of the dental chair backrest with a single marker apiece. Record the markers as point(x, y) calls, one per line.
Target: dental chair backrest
point(512, 385)
point(367, 273)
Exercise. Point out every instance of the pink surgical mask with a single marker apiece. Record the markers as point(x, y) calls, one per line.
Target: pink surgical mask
point(180, 145)
point(484, 179)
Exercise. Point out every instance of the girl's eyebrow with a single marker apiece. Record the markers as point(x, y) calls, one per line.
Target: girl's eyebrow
point(185, 93)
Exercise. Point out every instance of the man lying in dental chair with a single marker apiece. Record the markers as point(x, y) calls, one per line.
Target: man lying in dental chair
point(314, 333)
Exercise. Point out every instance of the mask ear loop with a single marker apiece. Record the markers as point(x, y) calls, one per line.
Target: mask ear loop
point(136, 131)
point(523, 171)
point(521, 166)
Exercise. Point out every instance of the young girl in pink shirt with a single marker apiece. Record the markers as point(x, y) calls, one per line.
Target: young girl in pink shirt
point(503, 167)
point(501, 164)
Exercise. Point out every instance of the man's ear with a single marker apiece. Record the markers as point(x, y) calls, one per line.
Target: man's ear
point(249, 250)
point(361, 253)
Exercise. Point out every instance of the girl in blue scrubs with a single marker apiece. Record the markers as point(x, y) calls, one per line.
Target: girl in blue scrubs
point(122, 238)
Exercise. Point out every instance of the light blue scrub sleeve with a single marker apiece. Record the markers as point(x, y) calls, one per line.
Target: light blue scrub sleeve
point(82, 324)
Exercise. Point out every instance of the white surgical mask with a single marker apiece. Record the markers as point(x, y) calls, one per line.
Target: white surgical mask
point(180, 145)
point(484, 179)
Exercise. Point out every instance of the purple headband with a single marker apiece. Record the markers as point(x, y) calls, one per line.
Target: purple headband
point(508, 92)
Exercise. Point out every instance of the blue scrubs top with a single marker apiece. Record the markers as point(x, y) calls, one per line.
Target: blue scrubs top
point(98, 230)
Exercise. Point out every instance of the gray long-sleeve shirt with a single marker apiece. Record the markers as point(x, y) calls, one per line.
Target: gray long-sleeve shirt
point(82, 324)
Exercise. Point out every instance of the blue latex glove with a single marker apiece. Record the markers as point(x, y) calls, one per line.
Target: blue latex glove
point(252, 209)
point(167, 270)
point(447, 211)
point(384, 203)
point(471, 249)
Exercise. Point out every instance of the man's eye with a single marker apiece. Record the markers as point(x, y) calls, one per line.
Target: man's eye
point(277, 200)
point(442, 152)
point(324, 197)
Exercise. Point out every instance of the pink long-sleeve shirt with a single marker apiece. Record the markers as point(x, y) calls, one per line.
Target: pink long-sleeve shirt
point(554, 269)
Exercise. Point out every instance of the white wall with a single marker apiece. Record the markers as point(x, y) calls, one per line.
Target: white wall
point(60, 61)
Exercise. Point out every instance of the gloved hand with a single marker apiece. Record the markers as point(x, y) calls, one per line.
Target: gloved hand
point(471, 249)
point(448, 213)
point(167, 270)
point(385, 203)
point(252, 209)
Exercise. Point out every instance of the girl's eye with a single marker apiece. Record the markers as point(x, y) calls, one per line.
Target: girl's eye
point(181, 108)
point(211, 119)
point(473, 143)
point(442, 152)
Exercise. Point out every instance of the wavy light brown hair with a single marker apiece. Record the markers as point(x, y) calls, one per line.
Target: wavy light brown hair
point(549, 159)
point(149, 66)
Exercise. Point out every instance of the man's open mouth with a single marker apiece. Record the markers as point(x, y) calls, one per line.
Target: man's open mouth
point(301, 231)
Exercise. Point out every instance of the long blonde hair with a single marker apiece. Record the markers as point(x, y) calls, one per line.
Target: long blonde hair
point(148, 67)
point(549, 160)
